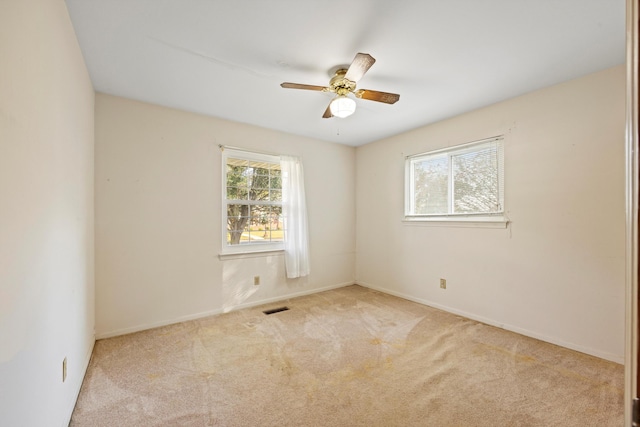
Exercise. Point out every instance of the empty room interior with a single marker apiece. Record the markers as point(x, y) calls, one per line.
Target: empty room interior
point(450, 253)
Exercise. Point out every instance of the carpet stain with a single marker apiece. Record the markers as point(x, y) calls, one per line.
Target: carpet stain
point(388, 363)
point(153, 376)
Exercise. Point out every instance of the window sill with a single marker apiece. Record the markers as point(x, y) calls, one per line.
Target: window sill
point(253, 254)
point(498, 221)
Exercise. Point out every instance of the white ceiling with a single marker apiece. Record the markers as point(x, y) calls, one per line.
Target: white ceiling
point(227, 58)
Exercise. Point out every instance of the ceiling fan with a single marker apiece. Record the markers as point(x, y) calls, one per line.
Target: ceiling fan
point(344, 82)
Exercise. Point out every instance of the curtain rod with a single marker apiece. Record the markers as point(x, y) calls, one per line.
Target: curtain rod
point(230, 147)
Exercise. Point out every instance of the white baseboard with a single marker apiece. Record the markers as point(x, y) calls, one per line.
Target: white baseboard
point(553, 340)
point(213, 312)
point(78, 385)
point(151, 325)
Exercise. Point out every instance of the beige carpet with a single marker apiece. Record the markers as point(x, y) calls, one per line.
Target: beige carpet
point(347, 357)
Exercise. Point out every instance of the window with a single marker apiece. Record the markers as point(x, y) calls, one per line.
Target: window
point(252, 205)
point(458, 183)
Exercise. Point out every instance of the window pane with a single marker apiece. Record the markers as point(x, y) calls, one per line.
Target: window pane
point(260, 179)
point(237, 193)
point(259, 194)
point(475, 182)
point(264, 225)
point(237, 176)
point(431, 185)
point(262, 169)
point(276, 195)
point(275, 182)
point(237, 223)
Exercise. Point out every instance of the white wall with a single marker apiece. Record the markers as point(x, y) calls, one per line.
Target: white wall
point(46, 214)
point(158, 217)
point(557, 272)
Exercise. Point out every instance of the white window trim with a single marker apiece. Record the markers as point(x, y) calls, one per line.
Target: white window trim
point(484, 220)
point(249, 249)
point(481, 221)
point(253, 254)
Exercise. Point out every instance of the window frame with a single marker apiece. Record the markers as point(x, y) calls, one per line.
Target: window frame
point(487, 219)
point(245, 248)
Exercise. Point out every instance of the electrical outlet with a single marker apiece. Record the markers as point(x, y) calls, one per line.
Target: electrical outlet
point(443, 283)
point(64, 370)
point(256, 280)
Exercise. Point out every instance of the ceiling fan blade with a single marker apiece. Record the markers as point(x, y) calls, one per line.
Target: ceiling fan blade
point(288, 85)
point(361, 63)
point(327, 114)
point(374, 95)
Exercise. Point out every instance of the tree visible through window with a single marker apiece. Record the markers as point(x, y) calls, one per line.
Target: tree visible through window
point(253, 199)
point(463, 180)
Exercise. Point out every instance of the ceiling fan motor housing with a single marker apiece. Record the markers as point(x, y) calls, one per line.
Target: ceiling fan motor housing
point(340, 85)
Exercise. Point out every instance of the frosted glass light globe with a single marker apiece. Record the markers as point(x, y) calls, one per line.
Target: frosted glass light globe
point(342, 106)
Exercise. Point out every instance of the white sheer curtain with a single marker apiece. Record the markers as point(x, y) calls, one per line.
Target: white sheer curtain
point(294, 209)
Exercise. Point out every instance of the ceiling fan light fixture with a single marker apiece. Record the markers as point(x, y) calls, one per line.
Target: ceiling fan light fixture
point(342, 107)
point(343, 83)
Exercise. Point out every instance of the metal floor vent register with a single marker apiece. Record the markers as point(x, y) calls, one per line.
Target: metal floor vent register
point(275, 310)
